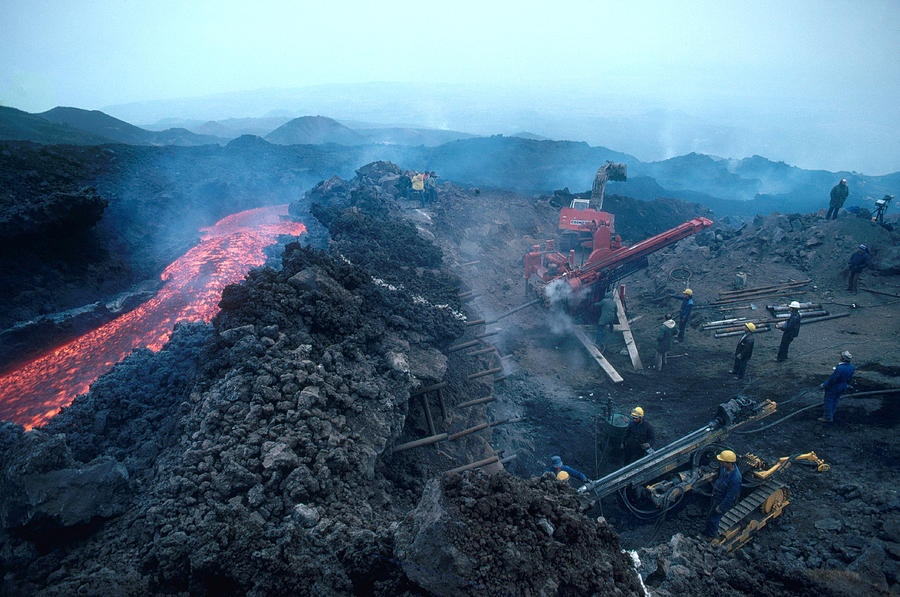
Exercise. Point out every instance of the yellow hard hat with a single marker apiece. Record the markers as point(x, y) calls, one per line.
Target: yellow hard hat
point(750, 326)
point(562, 476)
point(637, 412)
point(688, 292)
point(726, 456)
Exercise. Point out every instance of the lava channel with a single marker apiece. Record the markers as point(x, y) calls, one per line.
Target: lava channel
point(192, 288)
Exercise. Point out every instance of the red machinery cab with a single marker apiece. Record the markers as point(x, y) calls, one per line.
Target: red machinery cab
point(582, 226)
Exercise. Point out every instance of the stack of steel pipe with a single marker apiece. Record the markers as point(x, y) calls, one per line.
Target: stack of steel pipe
point(737, 296)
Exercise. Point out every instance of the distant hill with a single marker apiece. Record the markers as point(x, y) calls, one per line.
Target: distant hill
point(16, 125)
point(104, 125)
point(411, 136)
point(314, 130)
point(532, 136)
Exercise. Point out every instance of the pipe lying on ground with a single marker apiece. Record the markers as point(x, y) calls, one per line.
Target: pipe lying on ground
point(471, 465)
point(474, 322)
point(872, 393)
point(484, 400)
point(482, 351)
point(719, 303)
point(514, 309)
point(476, 262)
point(744, 290)
point(431, 439)
point(738, 333)
point(485, 372)
point(509, 458)
point(880, 292)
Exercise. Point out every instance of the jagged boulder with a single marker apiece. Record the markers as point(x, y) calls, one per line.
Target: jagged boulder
point(41, 484)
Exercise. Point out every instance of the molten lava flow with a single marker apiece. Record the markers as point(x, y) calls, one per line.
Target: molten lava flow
point(191, 291)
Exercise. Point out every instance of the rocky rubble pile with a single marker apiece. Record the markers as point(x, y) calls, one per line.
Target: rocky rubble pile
point(264, 478)
point(497, 534)
point(686, 566)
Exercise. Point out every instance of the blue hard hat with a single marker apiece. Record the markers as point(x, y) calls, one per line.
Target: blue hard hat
point(556, 462)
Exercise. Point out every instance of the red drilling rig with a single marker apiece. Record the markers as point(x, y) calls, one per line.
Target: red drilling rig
point(555, 278)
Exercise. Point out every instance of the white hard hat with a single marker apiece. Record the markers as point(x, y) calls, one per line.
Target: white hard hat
point(794, 305)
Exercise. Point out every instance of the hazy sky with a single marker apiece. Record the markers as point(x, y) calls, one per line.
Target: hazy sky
point(830, 59)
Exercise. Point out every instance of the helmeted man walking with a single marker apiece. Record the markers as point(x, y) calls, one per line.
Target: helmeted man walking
point(743, 351)
point(687, 304)
point(790, 331)
point(857, 263)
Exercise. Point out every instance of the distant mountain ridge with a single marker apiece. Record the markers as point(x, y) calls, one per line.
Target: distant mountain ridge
point(74, 126)
point(104, 125)
point(728, 186)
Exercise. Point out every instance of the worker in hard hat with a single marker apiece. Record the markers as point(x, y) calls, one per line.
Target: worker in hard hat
point(790, 331)
point(839, 194)
point(836, 384)
point(639, 437)
point(687, 304)
point(743, 351)
point(726, 490)
point(857, 263)
point(664, 338)
point(563, 472)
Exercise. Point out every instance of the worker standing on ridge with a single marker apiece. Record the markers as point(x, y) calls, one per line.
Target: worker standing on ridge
point(431, 187)
point(857, 263)
point(687, 303)
point(418, 187)
point(839, 194)
point(639, 437)
point(664, 338)
point(743, 351)
point(836, 384)
point(606, 318)
point(725, 492)
point(563, 472)
point(790, 331)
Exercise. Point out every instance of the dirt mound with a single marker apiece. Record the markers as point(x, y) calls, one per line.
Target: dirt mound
point(496, 534)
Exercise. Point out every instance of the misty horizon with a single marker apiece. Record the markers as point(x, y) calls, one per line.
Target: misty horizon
point(812, 84)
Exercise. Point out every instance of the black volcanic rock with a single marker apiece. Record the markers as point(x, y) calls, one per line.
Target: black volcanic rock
point(56, 213)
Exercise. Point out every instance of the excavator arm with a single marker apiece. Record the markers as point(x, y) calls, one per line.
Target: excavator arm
point(608, 171)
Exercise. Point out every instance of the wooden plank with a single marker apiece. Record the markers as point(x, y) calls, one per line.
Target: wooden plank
point(601, 360)
point(626, 333)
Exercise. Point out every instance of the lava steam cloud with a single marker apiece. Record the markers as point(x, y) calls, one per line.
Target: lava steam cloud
point(192, 287)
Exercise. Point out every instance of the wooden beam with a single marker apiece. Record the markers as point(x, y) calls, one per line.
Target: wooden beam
point(597, 356)
point(626, 333)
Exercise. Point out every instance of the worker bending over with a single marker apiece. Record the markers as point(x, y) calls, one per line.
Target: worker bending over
point(836, 384)
point(726, 491)
point(563, 472)
point(639, 437)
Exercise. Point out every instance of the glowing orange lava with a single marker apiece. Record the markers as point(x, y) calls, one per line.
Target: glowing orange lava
point(191, 292)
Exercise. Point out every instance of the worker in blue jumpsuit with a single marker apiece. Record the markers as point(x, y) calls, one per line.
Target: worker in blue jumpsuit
point(835, 386)
point(557, 466)
point(726, 491)
point(687, 304)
